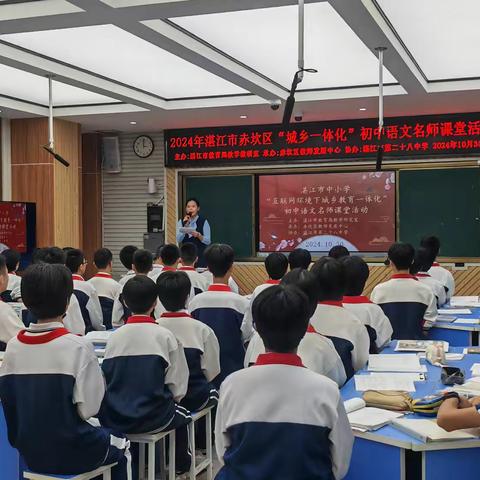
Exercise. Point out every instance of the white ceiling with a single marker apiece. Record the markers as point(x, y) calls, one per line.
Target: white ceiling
point(181, 63)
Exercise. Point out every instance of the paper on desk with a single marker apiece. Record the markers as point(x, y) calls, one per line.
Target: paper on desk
point(414, 377)
point(465, 301)
point(452, 357)
point(468, 321)
point(407, 362)
point(475, 369)
point(381, 382)
point(99, 336)
point(454, 311)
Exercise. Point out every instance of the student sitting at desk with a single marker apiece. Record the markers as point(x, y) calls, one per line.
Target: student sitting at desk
point(51, 385)
point(371, 315)
point(189, 257)
point(12, 292)
point(10, 324)
point(299, 258)
point(157, 266)
point(169, 256)
point(316, 351)
point(409, 304)
point(348, 334)
point(146, 373)
point(126, 257)
point(421, 266)
point(278, 420)
point(441, 274)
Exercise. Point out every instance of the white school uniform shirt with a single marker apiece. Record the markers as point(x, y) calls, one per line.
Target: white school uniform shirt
point(231, 282)
point(93, 304)
point(10, 323)
point(199, 282)
point(105, 285)
point(156, 270)
point(316, 351)
point(331, 319)
point(73, 320)
point(372, 315)
point(445, 277)
point(125, 278)
point(285, 400)
point(14, 283)
point(437, 287)
point(248, 314)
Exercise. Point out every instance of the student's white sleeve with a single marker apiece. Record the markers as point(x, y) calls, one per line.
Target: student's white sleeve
point(254, 349)
point(233, 285)
point(73, 320)
point(382, 325)
point(95, 311)
point(341, 443)
point(10, 324)
point(450, 284)
point(374, 295)
point(191, 296)
point(117, 312)
point(246, 328)
point(442, 296)
point(16, 293)
point(211, 356)
point(177, 373)
point(361, 348)
point(89, 387)
point(430, 316)
point(248, 318)
point(222, 440)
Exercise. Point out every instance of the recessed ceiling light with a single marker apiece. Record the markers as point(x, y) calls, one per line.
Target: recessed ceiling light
point(133, 123)
point(362, 109)
point(243, 116)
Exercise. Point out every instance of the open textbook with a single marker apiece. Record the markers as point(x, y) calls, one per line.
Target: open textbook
point(428, 430)
point(365, 418)
point(418, 345)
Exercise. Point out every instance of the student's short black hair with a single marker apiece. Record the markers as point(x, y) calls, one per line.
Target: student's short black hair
point(281, 314)
point(193, 199)
point(102, 257)
point(299, 258)
point(12, 259)
point(401, 255)
point(139, 294)
point(331, 279)
point(170, 254)
point(46, 289)
point(188, 253)
point(75, 258)
point(432, 243)
point(276, 265)
point(126, 256)
point(52, 255)
point(173, 290)
point(158, 251)
point(357, 273)
point(423, 260)
point(142, 261)
point(338, 252)
point(305, 281)
point(219, 258)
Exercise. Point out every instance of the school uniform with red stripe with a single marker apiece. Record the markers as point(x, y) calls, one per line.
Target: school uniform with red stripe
point(409, 304)
point(199, 281)
point(89, 303)
point(280, 420)
point(10, 324)
point(445, 277)
point(223, 311)
point(437, 287)
point(108, 289)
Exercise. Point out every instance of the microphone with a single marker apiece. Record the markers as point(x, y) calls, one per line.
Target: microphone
point(186, 219)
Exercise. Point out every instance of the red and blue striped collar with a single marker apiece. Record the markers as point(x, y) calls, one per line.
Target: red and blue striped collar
point(78, 277)
point(356, 299)
point(219, 287)
point(332, 303)
point(103, 275)
point(272, 358)
point(140, 319)
point(397, 276)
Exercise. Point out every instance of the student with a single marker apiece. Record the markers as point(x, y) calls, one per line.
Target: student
point(197, 339)
point(371, 315)
point(157, 266)
point(73, 320)
point(209, 281)
point(169, 256)
point(126, 257)
point(294, 423)
point(12, 292)
point(299, 258)
point(441, 274)
point(316, 351)
point(338, 252)
point(146, 373)
point(189, 257)
point(348, 334)
point(86, 294)
point(276, 265)
point(51, 385)
point(409, 304)
point(10, 324)
point(223, 311)
point(459, 413)
point(107, 288)
point(421, 265)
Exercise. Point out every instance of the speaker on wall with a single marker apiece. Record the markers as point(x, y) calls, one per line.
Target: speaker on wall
point(111, 155)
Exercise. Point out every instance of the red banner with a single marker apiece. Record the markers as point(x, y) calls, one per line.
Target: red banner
point(13, 225)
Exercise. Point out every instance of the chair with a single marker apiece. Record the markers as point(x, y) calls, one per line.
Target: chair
point(150, 440)
point(208, 462)
point(105, 470)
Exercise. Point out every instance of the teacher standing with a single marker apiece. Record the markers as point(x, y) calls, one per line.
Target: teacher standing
point(197, 229)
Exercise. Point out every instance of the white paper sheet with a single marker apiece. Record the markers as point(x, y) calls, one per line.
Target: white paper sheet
point(472, 301)
point(454, 311)
point(370, 418)
point(468, 321)
point(374, 382)
point(406, 362)
point(414, 377)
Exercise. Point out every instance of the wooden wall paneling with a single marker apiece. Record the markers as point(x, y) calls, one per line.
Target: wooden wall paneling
point(171, 205)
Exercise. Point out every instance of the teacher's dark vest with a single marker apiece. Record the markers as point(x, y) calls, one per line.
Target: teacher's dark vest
point(200, 245)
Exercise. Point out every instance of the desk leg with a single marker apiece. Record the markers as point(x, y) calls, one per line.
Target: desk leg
point(456, 338)
point(443, 464)
point(9, 459)
point(389, 461)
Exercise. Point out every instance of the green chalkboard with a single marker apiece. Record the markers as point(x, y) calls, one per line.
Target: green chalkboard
point(443, 202)
point(227, 203)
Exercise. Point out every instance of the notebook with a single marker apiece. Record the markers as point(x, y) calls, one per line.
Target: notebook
point(418, 345)
point(465, 301)
point(446, 318)
point(468, 321)
point(402, 362)
point(428, 430)
point(454, 311)
point(365, 418)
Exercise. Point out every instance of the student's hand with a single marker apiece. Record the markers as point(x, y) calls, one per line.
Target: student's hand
point(464, 402)
point(475, 401)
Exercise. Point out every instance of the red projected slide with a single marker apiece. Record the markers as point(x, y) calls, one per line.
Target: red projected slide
point(13, 225)
point(319, 211)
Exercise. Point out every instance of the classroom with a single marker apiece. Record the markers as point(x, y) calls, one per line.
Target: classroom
point(239, 240)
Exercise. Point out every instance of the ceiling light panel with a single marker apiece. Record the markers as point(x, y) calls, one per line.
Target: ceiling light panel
point(14, 11)
point(267, 41)
point(442, 35)
point(116, 54)
point(34, 88)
